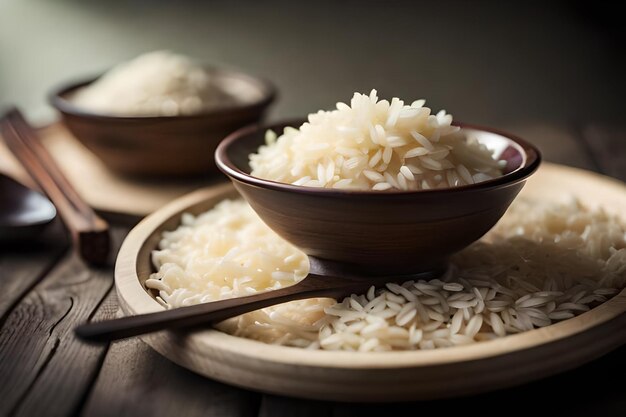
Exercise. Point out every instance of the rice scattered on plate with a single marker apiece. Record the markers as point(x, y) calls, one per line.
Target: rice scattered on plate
point(541, 264)
point(375, 145)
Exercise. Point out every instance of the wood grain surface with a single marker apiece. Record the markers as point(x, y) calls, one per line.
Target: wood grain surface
point(48, 368)
point(132, 371)
point(24, 265)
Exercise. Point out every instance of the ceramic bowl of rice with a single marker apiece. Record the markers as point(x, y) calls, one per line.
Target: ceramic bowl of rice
point(378, 184)
point(140, 113)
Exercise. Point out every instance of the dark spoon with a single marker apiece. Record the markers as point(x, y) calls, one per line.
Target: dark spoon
point(24, 213)
point(325, 279)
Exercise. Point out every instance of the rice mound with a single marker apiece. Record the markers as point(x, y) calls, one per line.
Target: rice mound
point(157, 83)
point(375, 145)
point(541, 264)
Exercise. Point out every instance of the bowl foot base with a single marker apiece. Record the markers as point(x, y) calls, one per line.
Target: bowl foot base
point(325, 267)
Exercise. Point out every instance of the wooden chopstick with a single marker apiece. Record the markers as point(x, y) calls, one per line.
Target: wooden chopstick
point(34, 144)
point(90, 233)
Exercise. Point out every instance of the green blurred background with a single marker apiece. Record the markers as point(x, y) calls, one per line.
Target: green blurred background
point(498, 63)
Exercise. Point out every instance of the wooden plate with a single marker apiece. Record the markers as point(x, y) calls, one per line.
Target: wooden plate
point(381, 376)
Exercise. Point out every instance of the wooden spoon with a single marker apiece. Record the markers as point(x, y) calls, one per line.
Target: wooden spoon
point(324, 280)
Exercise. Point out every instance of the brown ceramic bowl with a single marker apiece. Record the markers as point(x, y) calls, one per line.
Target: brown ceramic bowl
point(380, 232)
point(162, 145)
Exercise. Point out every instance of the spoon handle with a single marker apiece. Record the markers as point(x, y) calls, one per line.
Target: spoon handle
point(203, 314)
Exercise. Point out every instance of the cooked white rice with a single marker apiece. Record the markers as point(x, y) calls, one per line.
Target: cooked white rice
point(154, 84)
point(540, 265)
point(226, 252)
point(375, 145)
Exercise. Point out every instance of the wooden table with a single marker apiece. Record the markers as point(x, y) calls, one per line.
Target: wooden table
point(46, 371)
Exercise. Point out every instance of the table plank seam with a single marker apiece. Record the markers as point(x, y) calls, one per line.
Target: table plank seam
point(97, 307)
point(82, 402)
point(44, 273)
point(42, 368)
point(51, 331)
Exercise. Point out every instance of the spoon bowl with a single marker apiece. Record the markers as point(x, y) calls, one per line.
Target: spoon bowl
point(374, 232)
point(24, 213)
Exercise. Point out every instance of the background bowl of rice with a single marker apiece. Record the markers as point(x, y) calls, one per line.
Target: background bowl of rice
point(388, 231)
point(179, 145)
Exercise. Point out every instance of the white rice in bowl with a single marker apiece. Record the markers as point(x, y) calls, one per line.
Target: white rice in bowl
point(158, 83)
point(541, 264)
point(376, 145)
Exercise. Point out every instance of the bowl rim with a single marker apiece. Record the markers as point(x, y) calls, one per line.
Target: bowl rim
point(531, 161)
point(59, 100)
